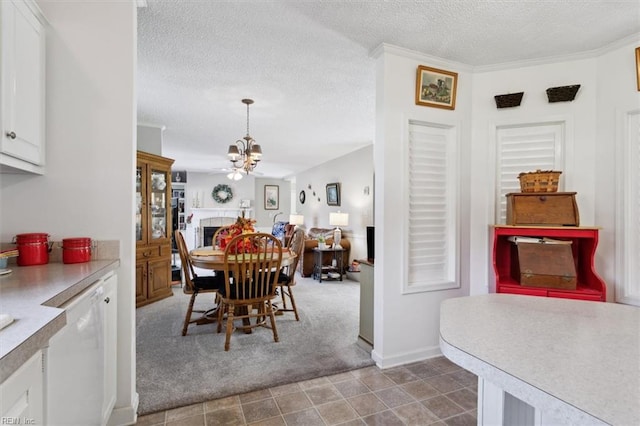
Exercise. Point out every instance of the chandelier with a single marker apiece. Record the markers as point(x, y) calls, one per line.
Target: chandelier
point(245, 153)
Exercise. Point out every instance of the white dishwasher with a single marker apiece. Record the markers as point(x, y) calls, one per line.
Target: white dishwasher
point(74, 362)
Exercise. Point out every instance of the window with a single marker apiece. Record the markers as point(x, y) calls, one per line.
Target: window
point(525, 148)
point(432, 250)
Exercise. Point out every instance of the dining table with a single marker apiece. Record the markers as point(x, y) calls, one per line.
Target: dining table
point(212, 258)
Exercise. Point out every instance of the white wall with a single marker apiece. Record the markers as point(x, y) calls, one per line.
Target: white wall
point(201, 185)
point(406, 326)
point(90, 152)
point(617, 95)
point(265, 218)
point(354, 172)
point(580, 133)
point(149, 139)
point(594, 133)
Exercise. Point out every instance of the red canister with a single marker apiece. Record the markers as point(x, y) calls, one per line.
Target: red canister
point(76, 250)
point(33, 249)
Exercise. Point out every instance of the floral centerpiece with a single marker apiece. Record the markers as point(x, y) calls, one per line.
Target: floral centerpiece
point(241, 226)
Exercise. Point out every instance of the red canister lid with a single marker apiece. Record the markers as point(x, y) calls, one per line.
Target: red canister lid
point(36, 237)
point(76, 242)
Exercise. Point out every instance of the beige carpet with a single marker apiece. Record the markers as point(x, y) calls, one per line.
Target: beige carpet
point(174, 371)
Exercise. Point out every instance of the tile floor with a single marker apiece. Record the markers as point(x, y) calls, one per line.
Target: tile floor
point(431, 392)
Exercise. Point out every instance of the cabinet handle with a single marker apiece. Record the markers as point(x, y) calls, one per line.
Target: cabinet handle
point(11, 135)
point(107, 300)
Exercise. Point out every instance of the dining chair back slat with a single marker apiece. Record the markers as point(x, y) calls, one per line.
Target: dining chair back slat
point(252, 262)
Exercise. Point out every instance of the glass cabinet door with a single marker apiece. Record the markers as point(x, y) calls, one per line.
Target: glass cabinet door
point(159, 198)
point(140, 194)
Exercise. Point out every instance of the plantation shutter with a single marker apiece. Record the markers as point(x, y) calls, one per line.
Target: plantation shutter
point(630, 227)
point(432, 210)
point(525, 149)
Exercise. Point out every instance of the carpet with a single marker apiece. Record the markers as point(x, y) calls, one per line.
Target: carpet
point(174, 371)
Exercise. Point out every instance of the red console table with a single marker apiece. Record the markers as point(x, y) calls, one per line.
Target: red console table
point(584, 242)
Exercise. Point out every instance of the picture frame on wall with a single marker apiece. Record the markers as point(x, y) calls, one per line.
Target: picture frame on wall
point(436, 88)
point(333, 194)
point(271, 197)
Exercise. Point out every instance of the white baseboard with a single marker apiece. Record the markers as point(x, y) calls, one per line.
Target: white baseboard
point(406, 358)
point(123, 416)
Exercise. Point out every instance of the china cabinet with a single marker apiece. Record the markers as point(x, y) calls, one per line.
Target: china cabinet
point(22, 71)
point(153, 228)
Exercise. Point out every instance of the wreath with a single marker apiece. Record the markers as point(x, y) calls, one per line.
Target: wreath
point(222, 193)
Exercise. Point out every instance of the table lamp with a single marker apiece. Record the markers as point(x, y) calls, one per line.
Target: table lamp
point(296, 219)
point(338, 219)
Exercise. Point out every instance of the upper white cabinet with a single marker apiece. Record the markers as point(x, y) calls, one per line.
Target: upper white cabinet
point(22, 114)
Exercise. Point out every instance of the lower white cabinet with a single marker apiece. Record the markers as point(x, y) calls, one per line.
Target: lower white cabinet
point(21, 395)
point(80, 364)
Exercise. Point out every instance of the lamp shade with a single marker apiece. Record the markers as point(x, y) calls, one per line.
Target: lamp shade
point(296, 219)
point(339, 219)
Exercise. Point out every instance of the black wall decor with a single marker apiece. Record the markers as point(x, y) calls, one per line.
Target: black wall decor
point(509, 100)
point(562, 93)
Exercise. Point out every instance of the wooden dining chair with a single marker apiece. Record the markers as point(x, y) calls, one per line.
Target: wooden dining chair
point(194, 284)
point(287, 275)
point(250, 283)
point(216, 236)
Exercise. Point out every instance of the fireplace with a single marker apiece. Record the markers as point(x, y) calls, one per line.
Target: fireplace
point(207, 234)
point(209, 226)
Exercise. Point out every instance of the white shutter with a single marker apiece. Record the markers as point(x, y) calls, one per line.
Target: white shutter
point(432, 236)
point(629, 232)
point(525, 148)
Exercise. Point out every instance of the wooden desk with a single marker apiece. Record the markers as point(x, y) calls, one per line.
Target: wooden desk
point(208, 258)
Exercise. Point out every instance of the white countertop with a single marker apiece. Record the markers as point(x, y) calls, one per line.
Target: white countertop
point(578, 359)
point(32, 295)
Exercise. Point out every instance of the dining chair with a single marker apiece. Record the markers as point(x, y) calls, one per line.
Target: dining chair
point(216, 236)
point(251, 265)
point(194, 284)
point(287, 275)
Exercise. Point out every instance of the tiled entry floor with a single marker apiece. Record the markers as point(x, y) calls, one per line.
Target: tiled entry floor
point(431, 392)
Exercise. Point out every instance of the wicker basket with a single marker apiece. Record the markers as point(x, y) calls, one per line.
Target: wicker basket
point(539, 181)
point(562, 93)
point(509, 100)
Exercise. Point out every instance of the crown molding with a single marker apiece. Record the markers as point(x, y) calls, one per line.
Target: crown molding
point(434, 60)
point(385, 48)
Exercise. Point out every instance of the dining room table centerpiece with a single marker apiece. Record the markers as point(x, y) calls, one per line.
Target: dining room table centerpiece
point(241, 226)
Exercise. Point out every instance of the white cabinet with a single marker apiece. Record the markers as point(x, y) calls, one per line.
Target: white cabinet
point(21, 395)
point(81, 358)
point(110, 328)
point(22, 113)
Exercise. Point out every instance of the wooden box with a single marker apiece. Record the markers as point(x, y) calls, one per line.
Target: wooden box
point(550, 208)
point(545, 265)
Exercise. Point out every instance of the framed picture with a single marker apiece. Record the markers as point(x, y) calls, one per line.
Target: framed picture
point(271, 197)
point(179, 177)
point(638, 67)
point(333, 194)
point(436, 88)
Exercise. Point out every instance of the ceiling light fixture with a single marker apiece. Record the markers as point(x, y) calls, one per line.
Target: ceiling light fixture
point(245, 153)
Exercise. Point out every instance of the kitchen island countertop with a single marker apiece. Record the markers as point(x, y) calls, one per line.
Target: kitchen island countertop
point(32, 295)
point(576, 361)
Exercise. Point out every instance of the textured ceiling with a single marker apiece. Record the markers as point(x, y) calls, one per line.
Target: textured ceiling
point(307, 65)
